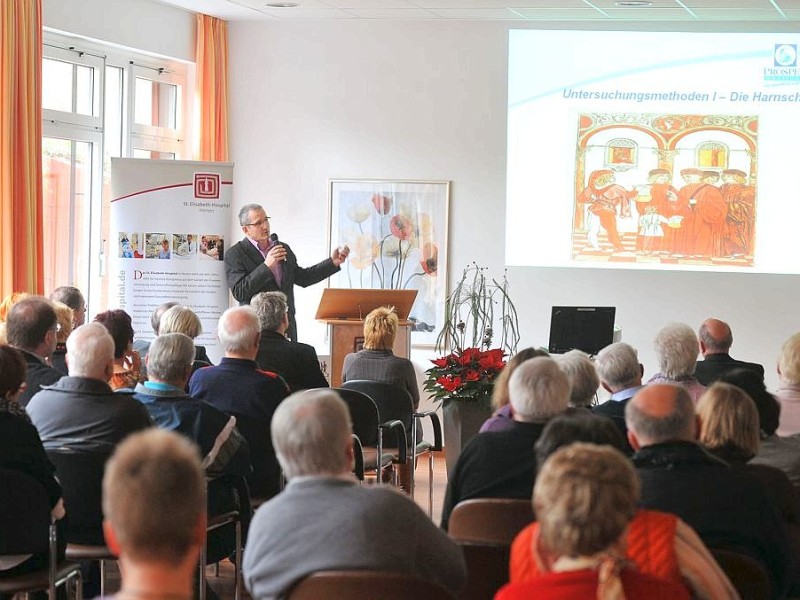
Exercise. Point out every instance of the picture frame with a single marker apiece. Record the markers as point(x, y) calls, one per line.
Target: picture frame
point(397, 232)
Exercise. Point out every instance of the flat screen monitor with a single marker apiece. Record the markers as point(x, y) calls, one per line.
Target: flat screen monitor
point(587, 328)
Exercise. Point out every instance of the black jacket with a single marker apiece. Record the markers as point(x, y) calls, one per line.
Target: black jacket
point(297, 363)
point(728, 508)
point(710, 369)
point(37, 376)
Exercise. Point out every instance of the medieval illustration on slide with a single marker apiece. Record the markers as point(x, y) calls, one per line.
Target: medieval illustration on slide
point(666, 189)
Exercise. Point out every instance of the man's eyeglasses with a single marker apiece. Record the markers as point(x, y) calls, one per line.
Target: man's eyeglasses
point(258, 223)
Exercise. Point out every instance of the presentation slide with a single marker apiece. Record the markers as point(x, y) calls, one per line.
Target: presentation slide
point(642, 150)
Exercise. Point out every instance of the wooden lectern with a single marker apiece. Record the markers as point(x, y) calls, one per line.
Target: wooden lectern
point(343, 310)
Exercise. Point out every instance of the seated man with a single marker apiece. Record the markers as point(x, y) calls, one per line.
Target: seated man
point(72, 297)
point(620, 374)
point(716, 340)
point(297, 363)
point(32, 328)
point(226, 457)
point(501, 464)
point(324, 520)
point(727, 508)
point(80, 411)
point(155, 514)
point(237, 387)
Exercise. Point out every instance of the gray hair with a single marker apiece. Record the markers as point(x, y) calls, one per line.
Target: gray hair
point(271, 307)
point(238, 329)
point(538, 389)
point(169, 358)
point(311, 433)
point(180, 319)
point(789, 360)
point(582, 377)
point(712, 343)
point(679, 424)
point(71, 296)
point(676, 347)
point(89, 350)
point(618, 366)
point(245, 211)
point(155, 318)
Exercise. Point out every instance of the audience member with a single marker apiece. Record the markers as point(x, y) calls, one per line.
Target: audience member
point(64, 318)
point(127, 362)
point(769, 410)
point(580, 485)
point(716, 340)
point(155, 514)
point(237, 387)
point(142, 346)
point(502, 418)
point(21, 450)
point(226, 456)
point(364, 528)
point(182, 319)
point(297, 363)
point(81, 411)
point(582, 378)
point(620, 374)
point(5, 307)
point(676, 347)
point(501, 464)
point(788, 393)
point(32, 328)
point(72, 297)
point(659, 544)
point(727, 508)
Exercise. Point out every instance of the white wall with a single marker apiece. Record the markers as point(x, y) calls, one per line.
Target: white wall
point(427, 100)
point(140, 24)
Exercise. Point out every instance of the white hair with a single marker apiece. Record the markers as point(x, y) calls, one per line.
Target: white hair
point(311, 433)
point(582, 376)
point(89, 350)
point(676, 347)
point(618, 366)
point(170, 356)
point(238, 329)
point(538, 389)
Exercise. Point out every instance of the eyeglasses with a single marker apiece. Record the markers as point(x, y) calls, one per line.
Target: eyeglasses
point(258, 223)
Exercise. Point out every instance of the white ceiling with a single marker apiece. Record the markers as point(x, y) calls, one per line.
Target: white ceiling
point(515, 10)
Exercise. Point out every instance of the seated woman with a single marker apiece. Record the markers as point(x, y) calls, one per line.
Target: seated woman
point(64, 316)
point(501, 419)
point(21, 450)
point(585, 497)
point(182, 319)
point(127, 362)
point(659, 544)
point(583, 378)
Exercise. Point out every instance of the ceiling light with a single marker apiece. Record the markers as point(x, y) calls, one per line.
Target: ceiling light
point(282, 4)
point(631, 3)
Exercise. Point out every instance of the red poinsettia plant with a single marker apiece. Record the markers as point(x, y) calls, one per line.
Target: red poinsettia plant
point(469, 371)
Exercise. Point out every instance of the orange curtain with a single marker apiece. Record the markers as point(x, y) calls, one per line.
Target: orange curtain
point(21, 266)
point(212, 87)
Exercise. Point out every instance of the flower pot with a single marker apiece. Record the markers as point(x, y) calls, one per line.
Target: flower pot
point(462, 420)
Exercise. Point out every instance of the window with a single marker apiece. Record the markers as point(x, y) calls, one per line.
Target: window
point(98, 103)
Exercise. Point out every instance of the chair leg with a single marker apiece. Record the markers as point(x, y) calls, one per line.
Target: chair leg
point(216, 569)
point(103, 578)
point(203, 551)
point(430, 484)
point(237, 568)
point(78, 586)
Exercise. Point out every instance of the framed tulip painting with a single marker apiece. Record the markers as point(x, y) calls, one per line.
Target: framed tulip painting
point(397, 234)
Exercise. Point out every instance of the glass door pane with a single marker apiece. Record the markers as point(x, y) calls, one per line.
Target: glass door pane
point(67, 194)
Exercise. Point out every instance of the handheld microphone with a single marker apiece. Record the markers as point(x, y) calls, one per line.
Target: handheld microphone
point(273, 237)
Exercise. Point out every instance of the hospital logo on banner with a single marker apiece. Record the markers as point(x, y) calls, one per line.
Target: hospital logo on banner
point(206, 186)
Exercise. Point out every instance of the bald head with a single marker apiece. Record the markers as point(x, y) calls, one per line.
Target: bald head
point(90, 352)
point(660, 413)
point(715, 337)
point(239, 332)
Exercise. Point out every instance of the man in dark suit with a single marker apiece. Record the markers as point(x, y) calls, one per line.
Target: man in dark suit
point(620, 374)
point(31, 328)
point(297, 363)
point(259, 264)
point(716, 340)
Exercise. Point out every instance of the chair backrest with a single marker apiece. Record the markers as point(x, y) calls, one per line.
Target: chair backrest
point(81, 476)
point(493, 520)
point(394, 403)
point(24, 514)
point(366, 585)
point(487, 569)
point(265, 482)
point(364, 415)
point(749, 577)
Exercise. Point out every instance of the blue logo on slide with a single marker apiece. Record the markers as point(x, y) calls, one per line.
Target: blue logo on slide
point(785, 55)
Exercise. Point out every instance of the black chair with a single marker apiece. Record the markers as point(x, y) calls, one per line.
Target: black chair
point(26, 527)
point(81, 477)
point(358, 458)
point(368, 427)
point(265, 482)
point(395, 403)
point(366, 585)
point(749, 576)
